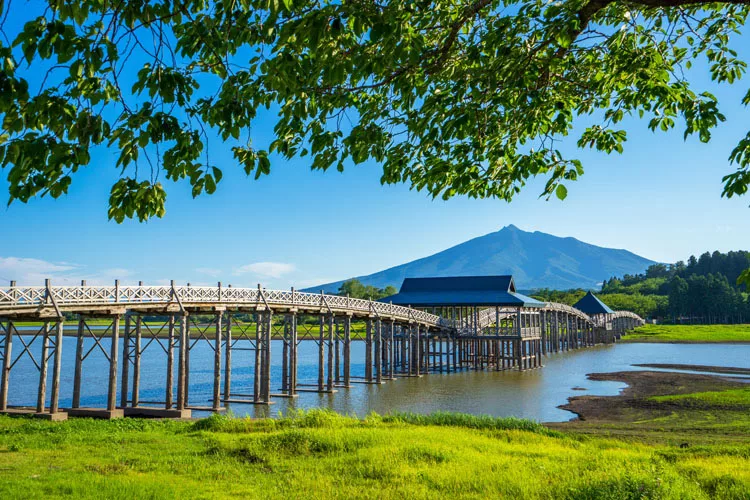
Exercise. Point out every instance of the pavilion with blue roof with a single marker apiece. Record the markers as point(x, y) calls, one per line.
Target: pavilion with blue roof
point(481, 291)
point(592, 305)
point(468, 299)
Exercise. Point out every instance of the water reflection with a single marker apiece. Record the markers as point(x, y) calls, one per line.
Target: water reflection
point(534, 394)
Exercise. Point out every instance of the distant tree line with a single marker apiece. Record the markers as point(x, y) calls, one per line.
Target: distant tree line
point(357, 290)
point(708, 289)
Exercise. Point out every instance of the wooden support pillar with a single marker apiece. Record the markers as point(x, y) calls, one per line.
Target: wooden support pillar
point(188, 347)
point(5, 375)
point(405, 335)
point(337, 353)
point(391, 349)
point(419, 351)
point(76, 403)
point(321, 354)
point(42, 393)
point(182, 363)
point(228, 360)
point(368, 350)
point(170, 361)
point(329, 379)
point(113, 352)
point(258, 357)
point(135, 398)
point(293, 354)
point(266, 387)
point(347, 350)
point(125, 377)
point(217, 363)
point(57, 363)
point(285, 357)
point(378, 351)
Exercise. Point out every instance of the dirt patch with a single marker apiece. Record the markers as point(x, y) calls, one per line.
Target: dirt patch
point(632, 403)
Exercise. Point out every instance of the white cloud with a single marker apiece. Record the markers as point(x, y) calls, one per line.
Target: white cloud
point(209, 271)
point(268, 269)
point(34, 271)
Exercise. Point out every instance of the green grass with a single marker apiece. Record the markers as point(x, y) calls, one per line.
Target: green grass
point(689, 333)
point(319, 454)
point(730, 398)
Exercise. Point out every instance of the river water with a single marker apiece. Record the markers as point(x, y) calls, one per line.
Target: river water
point(533, 394)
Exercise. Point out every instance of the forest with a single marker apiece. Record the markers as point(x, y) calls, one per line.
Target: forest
point(702, 291)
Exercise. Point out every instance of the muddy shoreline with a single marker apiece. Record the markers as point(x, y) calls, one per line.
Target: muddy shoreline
point(633, 401)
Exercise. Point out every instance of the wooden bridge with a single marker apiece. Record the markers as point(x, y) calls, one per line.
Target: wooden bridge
point(399, 341)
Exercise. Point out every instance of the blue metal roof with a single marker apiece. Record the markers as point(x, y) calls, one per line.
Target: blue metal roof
point(461, 291)
point(590, 304)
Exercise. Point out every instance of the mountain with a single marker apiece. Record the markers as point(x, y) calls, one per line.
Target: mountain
point(536, 260)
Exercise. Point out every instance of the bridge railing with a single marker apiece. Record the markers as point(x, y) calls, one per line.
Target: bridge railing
point(64, 296)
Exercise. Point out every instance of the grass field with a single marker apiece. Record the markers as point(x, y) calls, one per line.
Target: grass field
point(689, 333)
point(322, 454)
point(729, 399)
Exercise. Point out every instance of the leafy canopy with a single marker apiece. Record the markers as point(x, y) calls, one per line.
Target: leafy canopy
point(452, 97)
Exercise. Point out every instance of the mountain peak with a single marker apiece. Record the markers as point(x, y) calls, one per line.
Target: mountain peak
point(536, 260)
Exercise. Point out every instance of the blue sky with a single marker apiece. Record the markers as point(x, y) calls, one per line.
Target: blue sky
point(660, 199)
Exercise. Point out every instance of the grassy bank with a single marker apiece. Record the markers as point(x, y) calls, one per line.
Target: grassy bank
point(321, 454)
point(689, 333)
point(102, 327)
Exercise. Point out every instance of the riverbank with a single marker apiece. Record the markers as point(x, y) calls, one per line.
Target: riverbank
point(673, 408)
point(690, 334)
point(635, 445)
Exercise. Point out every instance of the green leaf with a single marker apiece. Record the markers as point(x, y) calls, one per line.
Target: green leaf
point(561, 192)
